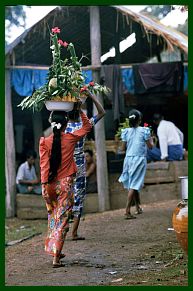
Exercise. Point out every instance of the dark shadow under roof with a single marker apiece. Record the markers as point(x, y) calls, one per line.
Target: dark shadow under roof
point(33, 46)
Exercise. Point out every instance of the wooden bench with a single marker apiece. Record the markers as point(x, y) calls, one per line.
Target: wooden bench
point(161, 183)
point(111, 145)
point(30, 206)
point(166, 172)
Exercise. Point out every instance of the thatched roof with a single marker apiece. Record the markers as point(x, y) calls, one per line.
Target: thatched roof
point(151, 25)
point(32, 47)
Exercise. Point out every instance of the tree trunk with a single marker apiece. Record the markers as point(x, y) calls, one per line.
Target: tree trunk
point(10, 166)
point(101, 158)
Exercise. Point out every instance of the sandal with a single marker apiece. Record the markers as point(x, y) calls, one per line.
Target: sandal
point(139, 211)
point(129, 216)
point(57, 265)
point(62, 256)
point(78, 238)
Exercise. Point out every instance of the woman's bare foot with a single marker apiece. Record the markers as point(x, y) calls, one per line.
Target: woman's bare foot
point(56, 260)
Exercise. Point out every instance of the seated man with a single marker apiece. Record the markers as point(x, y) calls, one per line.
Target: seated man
point(91, 181)
point(170, 141)
point(26, 179)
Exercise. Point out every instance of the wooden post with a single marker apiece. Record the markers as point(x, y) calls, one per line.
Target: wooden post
point(10, 166)
point(101, 158)
point(38, 132)
point(117, 40)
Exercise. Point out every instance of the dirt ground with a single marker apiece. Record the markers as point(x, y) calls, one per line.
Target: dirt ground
point(116, 252)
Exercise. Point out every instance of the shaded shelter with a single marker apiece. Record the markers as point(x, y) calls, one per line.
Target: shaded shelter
point(30, 51)
point(117, 23)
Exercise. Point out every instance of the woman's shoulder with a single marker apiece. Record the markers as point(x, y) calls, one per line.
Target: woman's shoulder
point(42, 140)
point(46, 140)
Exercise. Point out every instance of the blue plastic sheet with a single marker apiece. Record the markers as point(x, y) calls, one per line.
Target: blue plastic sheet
point(25, 81)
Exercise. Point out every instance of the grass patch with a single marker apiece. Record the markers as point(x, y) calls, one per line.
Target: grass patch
point(18, 228)
point(171, 271)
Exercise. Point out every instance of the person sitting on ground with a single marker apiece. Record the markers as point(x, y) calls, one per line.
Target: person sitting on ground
point(26, 179)
point(170, 141)
point(91, 181)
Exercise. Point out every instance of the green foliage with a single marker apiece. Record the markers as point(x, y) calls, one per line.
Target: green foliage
point(122, 126)
point(14, 15)
point(183, 28)
point(36, 101)
point(158, 11)
point(16, 229)
point(65, 81)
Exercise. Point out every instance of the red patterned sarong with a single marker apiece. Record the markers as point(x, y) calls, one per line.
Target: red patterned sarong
point(59, 202)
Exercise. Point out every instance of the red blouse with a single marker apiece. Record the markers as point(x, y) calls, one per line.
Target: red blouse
point(68, 142)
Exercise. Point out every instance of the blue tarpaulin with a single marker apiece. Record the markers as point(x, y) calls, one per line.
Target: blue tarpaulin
point(88, 76)
point(25, 81)
point(128, 80)
point(185, 78)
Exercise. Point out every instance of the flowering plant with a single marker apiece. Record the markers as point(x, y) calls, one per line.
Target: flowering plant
point(149, 126)
point(122, 126)
point(153, 135)
point(65, 78)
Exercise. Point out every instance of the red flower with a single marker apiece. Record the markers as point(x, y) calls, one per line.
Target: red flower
point(91, 83)
point(60, 42)
point(65, 44)
point(146, 124)
point(56, 30)
point(83, 89)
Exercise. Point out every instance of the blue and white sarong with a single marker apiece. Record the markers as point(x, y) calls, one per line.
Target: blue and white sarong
point(79, 186)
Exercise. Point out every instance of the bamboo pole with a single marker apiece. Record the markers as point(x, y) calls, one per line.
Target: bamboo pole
point(10, 166)
point(101, 157)
point(90, 67)
point(37, 133)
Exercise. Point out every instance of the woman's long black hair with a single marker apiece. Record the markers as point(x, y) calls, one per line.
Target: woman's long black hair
point(60, 118)
point(134, 117)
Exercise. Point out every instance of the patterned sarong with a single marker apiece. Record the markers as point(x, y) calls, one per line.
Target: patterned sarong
point(59, 200)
